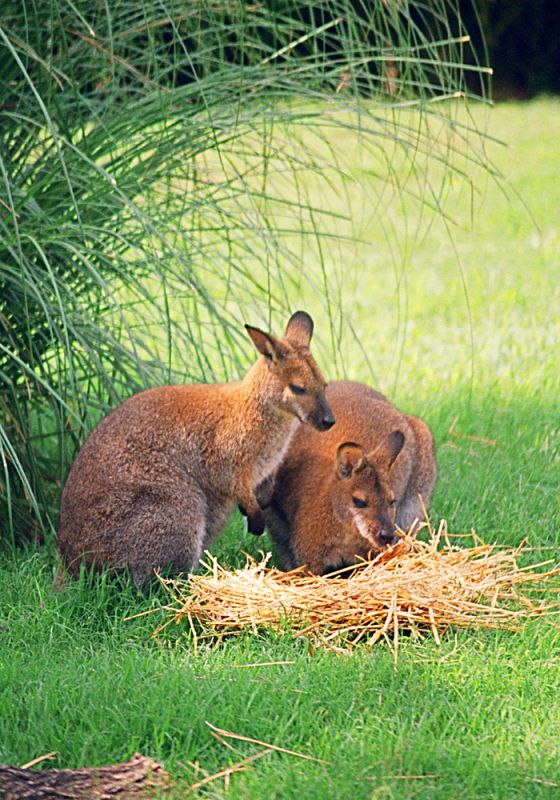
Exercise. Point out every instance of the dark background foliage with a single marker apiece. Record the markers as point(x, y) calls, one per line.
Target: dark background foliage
point(523, 42)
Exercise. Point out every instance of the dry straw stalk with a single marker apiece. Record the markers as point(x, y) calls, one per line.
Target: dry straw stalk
point(417, 587)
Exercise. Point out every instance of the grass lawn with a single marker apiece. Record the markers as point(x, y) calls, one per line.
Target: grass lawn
point(467, 336)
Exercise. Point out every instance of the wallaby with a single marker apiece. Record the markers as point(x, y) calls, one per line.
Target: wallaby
point(339, 496)
point(157, 479)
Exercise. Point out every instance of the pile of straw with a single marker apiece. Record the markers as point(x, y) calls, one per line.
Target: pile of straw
point(416, 587)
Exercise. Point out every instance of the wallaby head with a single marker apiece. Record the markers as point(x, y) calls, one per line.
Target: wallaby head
point(361, 494)
point(294, 382)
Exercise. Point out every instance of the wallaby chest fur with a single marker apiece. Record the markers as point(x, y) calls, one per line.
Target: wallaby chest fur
point(157, 479)
point(384, 458)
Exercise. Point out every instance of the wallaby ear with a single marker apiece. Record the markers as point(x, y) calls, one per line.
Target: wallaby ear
point(388, 450)
point(350, 457)
point(299, 329)
point(266, 344)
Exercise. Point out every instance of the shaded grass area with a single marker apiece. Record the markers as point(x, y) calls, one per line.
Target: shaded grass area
point(477, 717)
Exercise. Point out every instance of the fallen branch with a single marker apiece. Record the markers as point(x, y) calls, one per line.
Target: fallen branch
point(140, 778)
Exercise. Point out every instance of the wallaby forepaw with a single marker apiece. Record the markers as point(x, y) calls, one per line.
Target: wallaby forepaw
point(256, 524)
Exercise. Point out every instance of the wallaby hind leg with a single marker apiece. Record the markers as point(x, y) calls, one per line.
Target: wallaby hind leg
point(165, 534)
point(423, 476)
point(180, 550)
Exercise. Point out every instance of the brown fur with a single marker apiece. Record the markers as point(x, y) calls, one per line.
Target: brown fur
point(157, 479)
point(374, 454)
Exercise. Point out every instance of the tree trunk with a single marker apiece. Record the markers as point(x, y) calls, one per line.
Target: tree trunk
point(138, 778)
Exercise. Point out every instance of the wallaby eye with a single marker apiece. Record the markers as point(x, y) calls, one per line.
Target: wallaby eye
point(296, 389)
point(359, 503)
point(393, 503)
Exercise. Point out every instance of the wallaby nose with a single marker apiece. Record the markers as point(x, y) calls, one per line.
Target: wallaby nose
point(322, 418)
point(328, 422)
point(389, 536)
point(328, 419)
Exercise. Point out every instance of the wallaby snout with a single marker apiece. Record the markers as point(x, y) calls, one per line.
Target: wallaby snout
point(389, 535)
point(324, 419)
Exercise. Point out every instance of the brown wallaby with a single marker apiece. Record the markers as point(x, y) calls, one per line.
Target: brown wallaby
point(338, 497)
point(157, 479)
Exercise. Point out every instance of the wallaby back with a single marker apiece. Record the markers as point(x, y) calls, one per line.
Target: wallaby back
point(157, 479)
point(339, 496)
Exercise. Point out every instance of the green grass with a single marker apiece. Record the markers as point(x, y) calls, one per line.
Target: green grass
point(478, 717)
